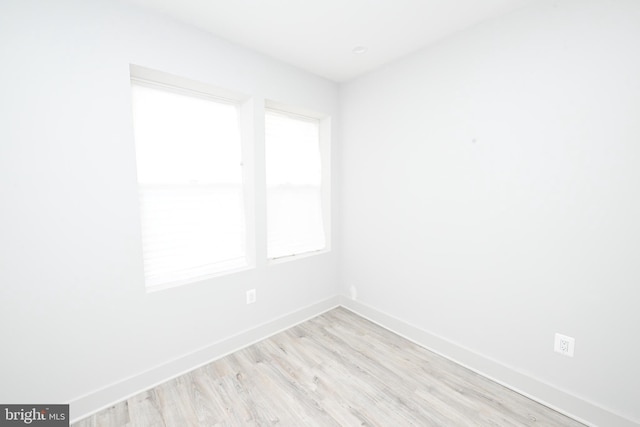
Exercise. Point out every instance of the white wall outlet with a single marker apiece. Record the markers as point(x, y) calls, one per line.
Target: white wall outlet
point(353, 292)
point(564, 345)
point(251, 296)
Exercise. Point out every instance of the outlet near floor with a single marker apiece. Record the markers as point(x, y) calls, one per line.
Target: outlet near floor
point(564, 345)
point(251, 296)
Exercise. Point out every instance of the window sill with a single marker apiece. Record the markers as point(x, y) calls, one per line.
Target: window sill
point(198, 279)
point(288, 258)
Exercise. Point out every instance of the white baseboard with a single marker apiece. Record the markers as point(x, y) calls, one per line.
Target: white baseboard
point(548, 395)
point(105, 397)
point(561, 401)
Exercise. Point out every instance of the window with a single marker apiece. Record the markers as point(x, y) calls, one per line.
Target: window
point(295, 215)
point(188, 152)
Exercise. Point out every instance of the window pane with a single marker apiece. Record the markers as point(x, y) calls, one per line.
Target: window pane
point(190, 183)
point(294, 191)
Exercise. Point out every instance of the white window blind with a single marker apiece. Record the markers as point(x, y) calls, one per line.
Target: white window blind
point(294, 185)
point(190, 184)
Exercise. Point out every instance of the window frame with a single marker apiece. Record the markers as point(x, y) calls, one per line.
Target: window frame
point(324, 141)
point(164, 81)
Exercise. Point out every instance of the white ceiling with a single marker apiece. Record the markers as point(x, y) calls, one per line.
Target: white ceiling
point(319, 35)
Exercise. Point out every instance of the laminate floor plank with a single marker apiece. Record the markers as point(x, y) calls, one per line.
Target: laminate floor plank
point(205, 400)
point(336, 369)
point(144, 410)
point(115, 415)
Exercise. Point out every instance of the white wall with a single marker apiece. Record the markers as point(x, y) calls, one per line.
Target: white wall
point(494, 244)
point(74, 314)
point(491, 194)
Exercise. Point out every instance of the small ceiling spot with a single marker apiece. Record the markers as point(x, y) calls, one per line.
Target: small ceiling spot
point(359, 50)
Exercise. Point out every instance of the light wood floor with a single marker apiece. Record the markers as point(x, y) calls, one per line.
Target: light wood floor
point(337, 369)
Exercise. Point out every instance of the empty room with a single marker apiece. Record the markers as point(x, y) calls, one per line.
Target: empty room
point(320, 213)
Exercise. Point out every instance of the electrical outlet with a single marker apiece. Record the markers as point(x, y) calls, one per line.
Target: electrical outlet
point(564, 345)
point(251, 296)
point(353, 292)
